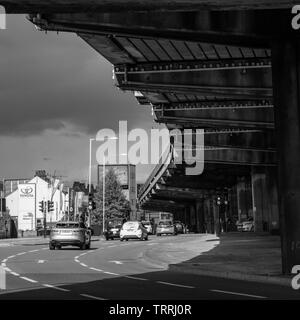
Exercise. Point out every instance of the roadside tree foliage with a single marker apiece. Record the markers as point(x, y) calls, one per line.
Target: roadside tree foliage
point(116, 204)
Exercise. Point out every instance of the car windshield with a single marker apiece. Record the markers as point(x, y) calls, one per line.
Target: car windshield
point(67, 225)
point(114, 224)
point(130, 225)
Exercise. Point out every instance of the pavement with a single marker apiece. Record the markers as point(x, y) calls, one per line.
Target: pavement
point(132, 270)
point(245, 256)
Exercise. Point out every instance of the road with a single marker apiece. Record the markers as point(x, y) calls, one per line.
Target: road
point(118, 270)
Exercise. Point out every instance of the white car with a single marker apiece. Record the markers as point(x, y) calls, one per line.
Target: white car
point(133, 230)
point(246, 225)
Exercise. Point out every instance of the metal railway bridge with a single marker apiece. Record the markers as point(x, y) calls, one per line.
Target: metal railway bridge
point(230, 67)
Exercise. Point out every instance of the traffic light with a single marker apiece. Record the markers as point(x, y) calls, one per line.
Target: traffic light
point(50, 206)
point(92, 203)
point(42, 206)
point(218, 201)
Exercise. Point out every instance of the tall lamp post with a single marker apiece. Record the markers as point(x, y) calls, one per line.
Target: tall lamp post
point(103, 198)
point(90, 177)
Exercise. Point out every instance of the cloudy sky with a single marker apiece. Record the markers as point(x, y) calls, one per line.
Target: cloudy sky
point(55, 93)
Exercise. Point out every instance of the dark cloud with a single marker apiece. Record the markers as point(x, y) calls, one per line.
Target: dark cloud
point(48, 80)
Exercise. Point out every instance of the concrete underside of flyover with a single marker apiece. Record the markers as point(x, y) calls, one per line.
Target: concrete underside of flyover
point(34, 6)
point(211, 70)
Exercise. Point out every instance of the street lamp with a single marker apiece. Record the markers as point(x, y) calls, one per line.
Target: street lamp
point(90, 176)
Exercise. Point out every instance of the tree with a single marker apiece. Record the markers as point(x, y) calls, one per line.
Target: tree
point(116, 204)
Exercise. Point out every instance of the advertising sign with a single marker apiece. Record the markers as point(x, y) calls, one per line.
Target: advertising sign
point(27, 199)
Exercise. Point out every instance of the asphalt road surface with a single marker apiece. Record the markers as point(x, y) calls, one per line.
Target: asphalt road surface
point(117, 270)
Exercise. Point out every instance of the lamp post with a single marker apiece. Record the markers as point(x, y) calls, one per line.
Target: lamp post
point(103, 198)
point(90, 177)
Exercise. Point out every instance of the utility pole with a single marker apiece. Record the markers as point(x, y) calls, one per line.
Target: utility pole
point(90, 178)
point(103, 226)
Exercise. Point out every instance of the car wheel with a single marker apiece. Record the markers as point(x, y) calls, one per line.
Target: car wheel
point(158, 234)
point(121, 240)
point(83, 246)
point(51, 246)
point(146, 238)
point(88, 246)
point(127, 239)
point(58, 247)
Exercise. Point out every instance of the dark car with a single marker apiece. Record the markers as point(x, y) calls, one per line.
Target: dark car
point(112, 230)
point(179, 226)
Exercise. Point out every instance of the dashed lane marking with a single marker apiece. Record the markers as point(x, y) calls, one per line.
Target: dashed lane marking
point(28, 279)
point(41, 261)
point(116, 261)
point(112, 273)
point(175, 285)
point(95, 269)
point(91, 297)
point(239, 294)
point(54, 287)
point(15, 273)
point(135, 278)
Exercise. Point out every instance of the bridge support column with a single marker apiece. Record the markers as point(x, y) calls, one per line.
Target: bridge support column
point(193, 218)
point(200, 216)
point(265, 200)
point(244, 198)
point(286, 87)
point(259, 199)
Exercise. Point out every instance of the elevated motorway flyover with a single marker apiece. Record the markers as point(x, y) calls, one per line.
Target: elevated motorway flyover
point(228, 67)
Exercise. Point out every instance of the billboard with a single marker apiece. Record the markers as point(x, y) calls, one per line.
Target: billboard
point(27, 200)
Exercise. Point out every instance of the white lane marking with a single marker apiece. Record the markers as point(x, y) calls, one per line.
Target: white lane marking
point(91, 297)
point(7, 269)
point(56, 288)
point(83, 264)
point(95, 269)
point(4, 260)
point(3, 264)
point(136, 278)
point(28, 279)
point(76, 257)
point(21, 253)
point(36, 250)
point(175, 285)
point(45, 248)
point(152, 244)
point(41, 261)
point(116, 261)
point(11, 257)
point(111, 246)
point(239, 294)
point(114, 274)
point(15, 273)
